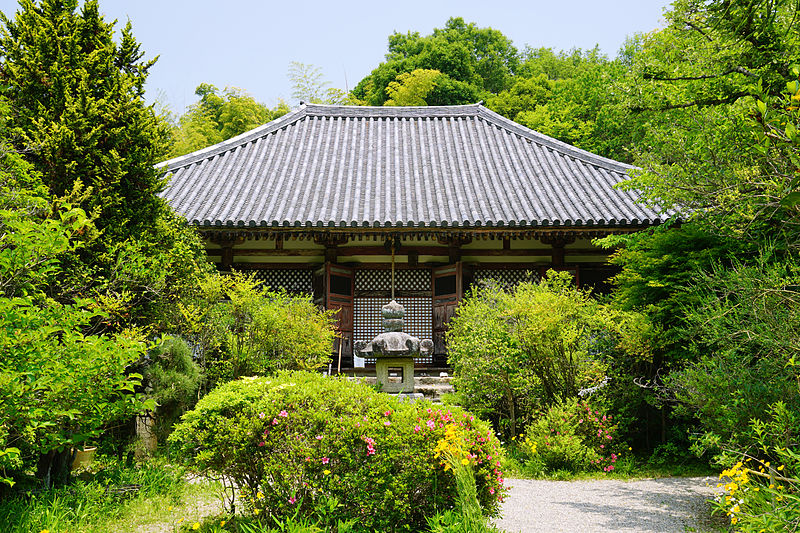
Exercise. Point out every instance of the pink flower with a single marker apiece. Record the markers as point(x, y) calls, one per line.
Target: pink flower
point(608, 437)
point(262, 443)
point(325, 460)
point(261, 415)
point(417, 429)
point(283, 414)
point(387, 423)
point(431, 424)
point(491, 490)
point(387, 413)
point(602, 445)
point(292, 500)
point(318, 437)
point(274, 421)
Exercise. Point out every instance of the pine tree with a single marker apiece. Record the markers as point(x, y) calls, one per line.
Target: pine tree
point(78, 109)
point(77, 113)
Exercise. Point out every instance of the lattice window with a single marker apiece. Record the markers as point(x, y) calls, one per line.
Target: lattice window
point(367, 323)
point(507, 277)
point(294, 280)
point(404, 280)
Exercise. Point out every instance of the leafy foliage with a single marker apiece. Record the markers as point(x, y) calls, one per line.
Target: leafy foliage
point(242, 329)
point(299, 438)
point(309, 85)
point(572, 435)
point(761, 494)
point(514, 351)
point(215, 118)
point(59, 384)
point(77, 110)
point(471, 61)
point(172, 379)
point(747, 318)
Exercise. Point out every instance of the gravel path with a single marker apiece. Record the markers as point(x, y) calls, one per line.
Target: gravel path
point(667, 505)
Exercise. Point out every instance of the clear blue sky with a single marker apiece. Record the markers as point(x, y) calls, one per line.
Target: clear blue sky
point(249, 43)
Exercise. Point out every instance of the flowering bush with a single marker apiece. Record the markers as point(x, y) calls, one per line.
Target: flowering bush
point(292, 440)
point(763, 494)
point(574, 436)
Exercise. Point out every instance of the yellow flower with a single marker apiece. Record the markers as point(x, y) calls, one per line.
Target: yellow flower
point(256, 511)
point(169, 508)
point(259, 495)
point(734, 520)
point(45, 531)
point(326, 472)
point(222, 524)
point(780, 467)
point(464, 461)
point(196, 525)
point(181, 520)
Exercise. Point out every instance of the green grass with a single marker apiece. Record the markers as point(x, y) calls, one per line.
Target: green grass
point(627, 468)
point(111, 498)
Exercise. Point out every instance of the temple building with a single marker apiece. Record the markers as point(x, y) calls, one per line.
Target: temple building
point(323, 199)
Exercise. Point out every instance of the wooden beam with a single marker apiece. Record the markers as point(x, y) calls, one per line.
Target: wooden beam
point(438, 251)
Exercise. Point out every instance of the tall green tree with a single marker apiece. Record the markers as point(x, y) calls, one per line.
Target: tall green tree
point(59, 382)
point(481, 58)
point(78, 109)
point(718, 90)
point(217, 117)
point(77, 114)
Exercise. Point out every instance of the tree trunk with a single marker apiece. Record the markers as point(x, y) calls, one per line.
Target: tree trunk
point(53, 467)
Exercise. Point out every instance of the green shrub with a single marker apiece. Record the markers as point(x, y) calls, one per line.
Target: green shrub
point(174, 379)
point(291, 441)
point(515, 351)
point(761, 492)
point(573, 436)
point(242, 329)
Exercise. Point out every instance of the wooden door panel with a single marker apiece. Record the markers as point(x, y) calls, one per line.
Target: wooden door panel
point(339, 297)
point(344, 315)
point(446, 290)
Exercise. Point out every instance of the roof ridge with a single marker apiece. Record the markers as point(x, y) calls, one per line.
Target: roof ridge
point(392, 111)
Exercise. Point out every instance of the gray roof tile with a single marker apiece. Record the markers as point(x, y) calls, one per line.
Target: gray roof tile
point(324, 166)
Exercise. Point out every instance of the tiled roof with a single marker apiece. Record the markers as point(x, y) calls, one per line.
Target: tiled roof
point(344, 166)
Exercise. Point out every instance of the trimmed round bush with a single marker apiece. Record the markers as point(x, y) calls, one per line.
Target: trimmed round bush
point(298, 441)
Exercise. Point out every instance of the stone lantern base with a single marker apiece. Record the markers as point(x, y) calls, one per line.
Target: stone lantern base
point(395, 373)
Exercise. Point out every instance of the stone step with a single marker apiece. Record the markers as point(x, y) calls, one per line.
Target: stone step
point(425, 380)
point(432, 387)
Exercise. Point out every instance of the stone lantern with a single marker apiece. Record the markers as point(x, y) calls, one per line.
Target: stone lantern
point(394, 351)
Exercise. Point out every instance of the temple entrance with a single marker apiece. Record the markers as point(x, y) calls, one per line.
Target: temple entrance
point(372, 290)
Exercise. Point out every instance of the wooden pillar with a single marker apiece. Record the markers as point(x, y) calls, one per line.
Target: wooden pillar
point(454, 244)
point(558, 242)
point(331, 243)
point(227, 242)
